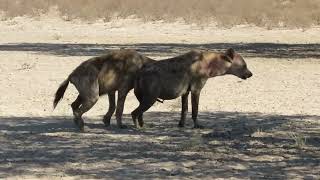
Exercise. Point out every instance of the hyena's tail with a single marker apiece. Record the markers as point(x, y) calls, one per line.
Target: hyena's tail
point(60, 92)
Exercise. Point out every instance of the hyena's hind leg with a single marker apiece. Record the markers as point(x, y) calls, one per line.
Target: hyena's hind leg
point(87, 104)
point(75, 106)
point(147, 94)
point(112, 108)
point(145, 104)
point(89, 95)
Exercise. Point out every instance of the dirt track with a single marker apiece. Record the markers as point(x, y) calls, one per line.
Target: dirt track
point(265, 127)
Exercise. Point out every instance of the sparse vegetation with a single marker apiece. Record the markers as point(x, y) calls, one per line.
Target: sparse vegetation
point(299, 139)
point(258, 133)
point(265, 128)
point(193, 144)
point(26, 66)
point(56, 36)
point(266, 13)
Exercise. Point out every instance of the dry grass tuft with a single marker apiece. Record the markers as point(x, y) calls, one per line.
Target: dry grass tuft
point(195, 143)
point(299, 139)
point(26, 67)
point(265, 13)
point(56, 36)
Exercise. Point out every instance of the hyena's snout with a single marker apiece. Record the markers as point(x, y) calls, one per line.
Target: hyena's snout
point(247, 74)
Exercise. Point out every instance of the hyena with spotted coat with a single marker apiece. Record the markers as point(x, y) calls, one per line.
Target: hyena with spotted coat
point(97, 76)
point(175, 77)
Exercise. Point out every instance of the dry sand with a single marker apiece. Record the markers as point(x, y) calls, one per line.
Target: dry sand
point(264, 127)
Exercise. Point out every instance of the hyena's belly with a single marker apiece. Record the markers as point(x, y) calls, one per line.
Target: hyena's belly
point(173, 88)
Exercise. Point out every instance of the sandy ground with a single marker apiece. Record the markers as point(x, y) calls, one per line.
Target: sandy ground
point(267, 127)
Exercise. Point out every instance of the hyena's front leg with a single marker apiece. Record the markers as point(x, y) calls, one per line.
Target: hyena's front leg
point(122, 94)
point(195, 104)
point(112, 108)
point(184, 109)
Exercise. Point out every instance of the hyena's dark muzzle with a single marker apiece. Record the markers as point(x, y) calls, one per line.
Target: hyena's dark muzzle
point(246, 75)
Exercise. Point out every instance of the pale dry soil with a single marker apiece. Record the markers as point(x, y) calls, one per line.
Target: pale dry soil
point(267, 127)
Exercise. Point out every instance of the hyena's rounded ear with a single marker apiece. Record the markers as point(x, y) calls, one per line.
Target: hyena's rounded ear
point(230, 53)
point(226, 58)
point(198, 56)
point(201, 56)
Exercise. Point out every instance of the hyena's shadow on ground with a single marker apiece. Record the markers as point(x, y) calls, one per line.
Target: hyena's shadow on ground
point(158, 123)
point(263, 50)
point(233, 144)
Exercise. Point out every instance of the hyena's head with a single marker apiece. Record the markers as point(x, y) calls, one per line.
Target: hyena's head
point(218, 64)
point(238, 65)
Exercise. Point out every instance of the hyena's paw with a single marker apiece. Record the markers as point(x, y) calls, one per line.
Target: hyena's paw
point(106, 121)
